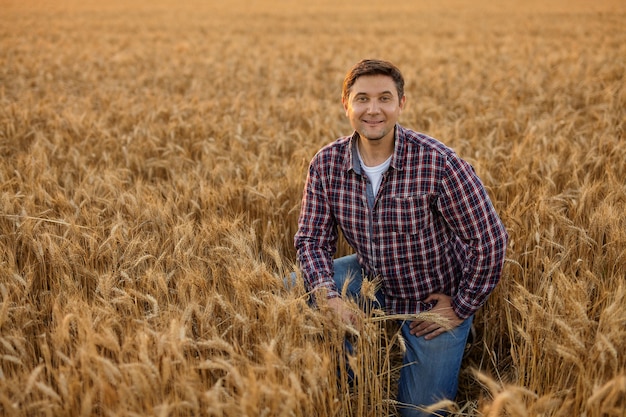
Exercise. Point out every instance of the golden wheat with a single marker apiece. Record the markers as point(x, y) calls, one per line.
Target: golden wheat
point(153, 158)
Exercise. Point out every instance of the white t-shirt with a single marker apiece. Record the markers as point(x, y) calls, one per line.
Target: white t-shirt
point(375, 174)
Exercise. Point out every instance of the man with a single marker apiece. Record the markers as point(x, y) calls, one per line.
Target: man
point(416, 215)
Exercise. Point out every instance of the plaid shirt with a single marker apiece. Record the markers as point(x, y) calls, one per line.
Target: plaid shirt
point(430, 229)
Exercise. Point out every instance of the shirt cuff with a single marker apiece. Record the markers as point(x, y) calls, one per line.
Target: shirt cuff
point(327, 288)
point(462, 308)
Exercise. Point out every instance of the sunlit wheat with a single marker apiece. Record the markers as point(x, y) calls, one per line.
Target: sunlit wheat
point(153, 158)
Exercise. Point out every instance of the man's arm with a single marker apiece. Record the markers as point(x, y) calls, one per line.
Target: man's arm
point(316, 238)
point(468, 211)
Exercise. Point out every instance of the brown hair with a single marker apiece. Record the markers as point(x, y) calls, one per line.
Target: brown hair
point(372, 67)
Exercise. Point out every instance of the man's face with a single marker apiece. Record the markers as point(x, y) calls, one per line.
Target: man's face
point(373, 107)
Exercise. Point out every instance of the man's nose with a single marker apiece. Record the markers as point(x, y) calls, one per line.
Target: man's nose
point(373, 107)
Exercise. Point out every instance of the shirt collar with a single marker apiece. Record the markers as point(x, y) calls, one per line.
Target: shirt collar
point(397, 162)
point(353, 158)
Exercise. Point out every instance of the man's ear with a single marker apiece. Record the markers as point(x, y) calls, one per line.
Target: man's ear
point(402, 102)
point(344, 103)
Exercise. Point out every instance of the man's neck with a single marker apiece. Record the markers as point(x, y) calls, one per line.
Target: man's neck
point(375, 152)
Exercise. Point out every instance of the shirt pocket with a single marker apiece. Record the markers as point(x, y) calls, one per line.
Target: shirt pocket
point(411, 214)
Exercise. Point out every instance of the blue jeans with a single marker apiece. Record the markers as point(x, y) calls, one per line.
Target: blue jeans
point(430, 371)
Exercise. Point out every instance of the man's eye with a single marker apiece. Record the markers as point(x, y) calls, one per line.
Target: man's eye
point(385, 99)
point(361, 99)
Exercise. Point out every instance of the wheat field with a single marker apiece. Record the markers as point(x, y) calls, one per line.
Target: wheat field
point(153, 159)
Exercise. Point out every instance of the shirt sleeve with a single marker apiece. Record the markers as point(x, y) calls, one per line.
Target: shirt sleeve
point(468, 211)
point(316, 238)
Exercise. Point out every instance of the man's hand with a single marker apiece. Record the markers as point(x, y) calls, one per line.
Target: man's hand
point(345, 313)
point(430, 329)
